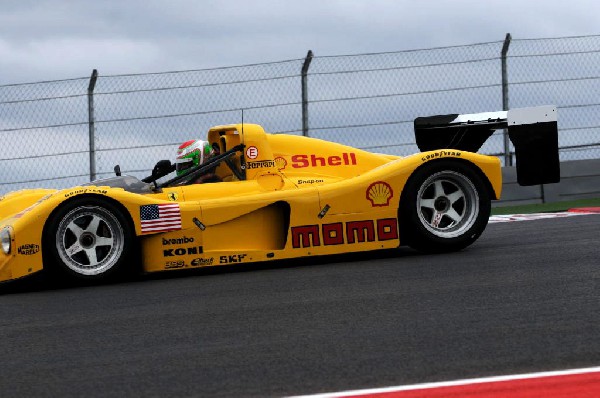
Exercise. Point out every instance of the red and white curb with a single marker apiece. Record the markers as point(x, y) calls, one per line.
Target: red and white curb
point(541, 216)
point(578, 383)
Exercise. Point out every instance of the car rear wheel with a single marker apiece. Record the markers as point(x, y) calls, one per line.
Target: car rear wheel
point(445, 207)
point(89, 239)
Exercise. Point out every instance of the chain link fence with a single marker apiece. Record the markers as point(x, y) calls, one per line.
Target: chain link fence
point(63, 133)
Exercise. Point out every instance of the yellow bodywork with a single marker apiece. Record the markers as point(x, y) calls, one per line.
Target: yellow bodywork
point(301, 197)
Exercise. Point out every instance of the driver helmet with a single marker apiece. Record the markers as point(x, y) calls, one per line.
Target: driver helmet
point(192, 153)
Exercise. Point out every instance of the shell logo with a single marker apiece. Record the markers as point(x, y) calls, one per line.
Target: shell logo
point(280, 163)
point(379, 194)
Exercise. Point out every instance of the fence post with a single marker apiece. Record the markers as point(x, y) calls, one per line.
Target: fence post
point(507, 155)
point(305, 66)
point(91, 126)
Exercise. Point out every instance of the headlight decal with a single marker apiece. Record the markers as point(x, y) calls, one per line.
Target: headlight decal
point(6, 240)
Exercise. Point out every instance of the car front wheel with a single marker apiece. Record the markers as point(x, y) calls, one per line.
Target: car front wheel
point(89, 239)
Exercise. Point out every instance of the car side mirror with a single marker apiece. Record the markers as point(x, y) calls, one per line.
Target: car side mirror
point(162, 168)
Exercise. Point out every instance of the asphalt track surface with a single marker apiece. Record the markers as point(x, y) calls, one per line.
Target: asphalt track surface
point(524, 298)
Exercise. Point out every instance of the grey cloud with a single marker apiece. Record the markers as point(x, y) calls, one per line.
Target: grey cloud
point(45, 40)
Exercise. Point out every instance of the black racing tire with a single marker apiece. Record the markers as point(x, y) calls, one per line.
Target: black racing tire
point(445, 206)
point(89, 239)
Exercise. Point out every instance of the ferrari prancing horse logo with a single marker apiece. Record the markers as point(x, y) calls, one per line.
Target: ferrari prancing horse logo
point(172, 196)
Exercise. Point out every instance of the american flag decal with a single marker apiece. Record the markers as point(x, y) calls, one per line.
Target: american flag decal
point(161, 217)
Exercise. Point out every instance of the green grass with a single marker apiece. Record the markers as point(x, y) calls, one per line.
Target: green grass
point(546, 207)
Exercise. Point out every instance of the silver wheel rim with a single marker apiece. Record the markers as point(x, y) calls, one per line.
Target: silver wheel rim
point(447, 204)
point(90, 240)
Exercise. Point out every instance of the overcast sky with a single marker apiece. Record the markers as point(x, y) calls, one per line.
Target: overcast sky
point(55, 39)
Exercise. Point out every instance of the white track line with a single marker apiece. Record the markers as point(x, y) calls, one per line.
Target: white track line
point(534, 216)
point(454, 383)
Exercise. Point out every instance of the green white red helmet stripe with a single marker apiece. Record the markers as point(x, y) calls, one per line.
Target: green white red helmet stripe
point(192, 153)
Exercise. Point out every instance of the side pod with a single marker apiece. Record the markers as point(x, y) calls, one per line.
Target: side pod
point(533, 132)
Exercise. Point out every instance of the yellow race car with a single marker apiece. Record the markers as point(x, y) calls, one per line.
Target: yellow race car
point(280, 197)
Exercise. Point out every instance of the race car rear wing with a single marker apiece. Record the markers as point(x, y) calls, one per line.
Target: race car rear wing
point(533, 132)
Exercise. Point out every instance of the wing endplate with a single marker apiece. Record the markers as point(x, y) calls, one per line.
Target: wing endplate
point(533, 131)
